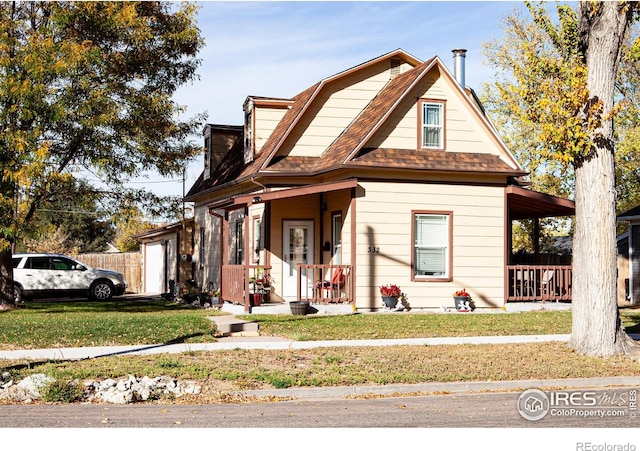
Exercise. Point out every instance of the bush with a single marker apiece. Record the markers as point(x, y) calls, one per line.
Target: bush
point(62, 391)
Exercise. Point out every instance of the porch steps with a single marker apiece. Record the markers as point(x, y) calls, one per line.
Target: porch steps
point(230, 326)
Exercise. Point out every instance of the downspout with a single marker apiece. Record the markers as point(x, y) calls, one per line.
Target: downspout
point(255, 182)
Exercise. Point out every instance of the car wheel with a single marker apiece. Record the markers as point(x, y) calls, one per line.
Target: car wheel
point(18, 295)
point(101, 290)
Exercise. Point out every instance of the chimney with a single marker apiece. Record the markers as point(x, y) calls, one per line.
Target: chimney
point(458, 65)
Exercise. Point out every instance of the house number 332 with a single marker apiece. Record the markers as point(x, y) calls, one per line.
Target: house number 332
point(374, 250)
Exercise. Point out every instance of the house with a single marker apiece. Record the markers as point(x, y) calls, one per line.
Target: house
point(166, 256)
point(629, 258)
point(386, 173)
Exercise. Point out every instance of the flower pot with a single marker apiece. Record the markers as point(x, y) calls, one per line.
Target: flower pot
point(299, 307)
point(463, 303)
point(256, 298)
point(390, 301)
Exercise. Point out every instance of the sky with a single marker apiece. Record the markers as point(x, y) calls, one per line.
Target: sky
point(278, 49)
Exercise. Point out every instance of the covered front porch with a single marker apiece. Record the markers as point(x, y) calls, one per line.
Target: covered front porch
point(538, 279)
point(286, 245)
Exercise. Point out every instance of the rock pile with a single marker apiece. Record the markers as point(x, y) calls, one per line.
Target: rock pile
point(122, 391)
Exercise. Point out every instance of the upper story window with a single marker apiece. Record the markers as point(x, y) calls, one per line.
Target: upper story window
point(431, 124)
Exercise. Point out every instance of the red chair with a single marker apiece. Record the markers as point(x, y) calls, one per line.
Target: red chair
point(332, 289)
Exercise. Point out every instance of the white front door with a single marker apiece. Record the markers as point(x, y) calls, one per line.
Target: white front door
point(297, 247)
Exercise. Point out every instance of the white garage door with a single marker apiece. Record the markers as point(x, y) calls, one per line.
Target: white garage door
point(154, 268)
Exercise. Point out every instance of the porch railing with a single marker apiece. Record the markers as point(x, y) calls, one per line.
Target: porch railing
point(234, 286)
point(324, 284)
point(539, 283)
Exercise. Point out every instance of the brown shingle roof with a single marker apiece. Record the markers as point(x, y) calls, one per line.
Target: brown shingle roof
point(433, 160)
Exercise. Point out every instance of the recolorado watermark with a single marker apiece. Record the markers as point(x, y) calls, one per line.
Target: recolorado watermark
point(588, 446)
point(534, 404)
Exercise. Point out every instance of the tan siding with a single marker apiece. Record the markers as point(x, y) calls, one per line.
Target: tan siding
point(266, 120)
point(385, 222)
point(464, 132)
point(334, 112)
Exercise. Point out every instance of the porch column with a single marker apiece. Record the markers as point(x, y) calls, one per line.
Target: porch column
point(246, 258)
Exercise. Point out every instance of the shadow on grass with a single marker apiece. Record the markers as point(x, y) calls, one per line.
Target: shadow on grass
point(144, 305)
point(130, 350)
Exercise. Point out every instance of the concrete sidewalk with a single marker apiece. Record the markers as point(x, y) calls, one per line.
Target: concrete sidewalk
point(260, 342)
point(263, 342)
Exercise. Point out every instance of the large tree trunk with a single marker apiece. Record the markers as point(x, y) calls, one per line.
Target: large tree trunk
point(596, 328)
point(6, 280)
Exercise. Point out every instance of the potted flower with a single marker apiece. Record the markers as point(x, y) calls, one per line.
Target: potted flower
point(390, 294)
point(463, 301)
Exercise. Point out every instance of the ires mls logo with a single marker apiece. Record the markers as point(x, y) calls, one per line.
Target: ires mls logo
point(534, 404)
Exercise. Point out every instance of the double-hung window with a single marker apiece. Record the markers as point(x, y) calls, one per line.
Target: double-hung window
point(432, 124)
point(432, 246)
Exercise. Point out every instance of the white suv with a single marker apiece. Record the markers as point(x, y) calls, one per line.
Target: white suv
point(55, 275)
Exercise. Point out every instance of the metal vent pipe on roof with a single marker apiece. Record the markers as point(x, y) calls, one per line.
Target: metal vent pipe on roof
point(459, 56)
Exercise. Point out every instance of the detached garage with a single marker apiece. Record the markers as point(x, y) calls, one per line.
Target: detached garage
point(166, 256)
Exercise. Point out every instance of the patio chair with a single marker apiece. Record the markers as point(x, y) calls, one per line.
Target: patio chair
point(548, 287)
point(332, 289)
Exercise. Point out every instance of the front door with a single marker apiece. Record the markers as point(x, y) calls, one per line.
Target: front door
point(297, 247)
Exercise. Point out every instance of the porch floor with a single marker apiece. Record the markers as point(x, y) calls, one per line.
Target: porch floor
point(284, 308)
point(343, 309)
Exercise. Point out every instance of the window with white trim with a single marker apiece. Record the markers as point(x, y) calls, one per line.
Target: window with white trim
point(431, 245)
point(257, 238)
point(201, 250)
point(336, 238)
point(432, 124)
point(239, 242)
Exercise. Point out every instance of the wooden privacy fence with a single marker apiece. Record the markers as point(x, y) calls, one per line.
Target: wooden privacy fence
point(127, 263)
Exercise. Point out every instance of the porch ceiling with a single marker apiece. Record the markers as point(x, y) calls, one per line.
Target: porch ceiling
point(527, 204)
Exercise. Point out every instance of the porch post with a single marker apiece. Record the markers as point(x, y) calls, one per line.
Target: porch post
point(245, 257)
point(536, 240)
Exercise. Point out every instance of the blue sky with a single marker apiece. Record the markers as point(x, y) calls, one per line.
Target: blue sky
point(278, 49)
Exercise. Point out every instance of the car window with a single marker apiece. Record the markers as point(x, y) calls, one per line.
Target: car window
point(37, 263)
point(15, 261)
point(62, 264)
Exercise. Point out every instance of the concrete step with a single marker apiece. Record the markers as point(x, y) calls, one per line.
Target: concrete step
point(230, 326)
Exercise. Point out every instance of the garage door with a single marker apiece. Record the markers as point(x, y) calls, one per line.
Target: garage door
point(154, 268)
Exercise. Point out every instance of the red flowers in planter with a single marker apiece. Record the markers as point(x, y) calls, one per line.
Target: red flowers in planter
point(390, 291)
point(462, 292)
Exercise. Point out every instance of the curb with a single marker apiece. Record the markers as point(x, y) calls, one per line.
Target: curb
point(438, 388)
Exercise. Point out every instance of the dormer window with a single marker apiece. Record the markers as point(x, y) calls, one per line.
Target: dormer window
point(248, 134)
point(431, 124)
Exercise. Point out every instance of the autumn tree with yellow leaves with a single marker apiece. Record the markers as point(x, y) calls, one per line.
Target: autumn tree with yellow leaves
point(557, 97)
point(88, 86)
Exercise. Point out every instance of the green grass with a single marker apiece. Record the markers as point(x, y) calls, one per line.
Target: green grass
point(372, 326)
point(219, 372)
point(74, 324)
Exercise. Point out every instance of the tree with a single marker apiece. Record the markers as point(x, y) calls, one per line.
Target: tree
point(520, 61)
point(597, 329)
point(76, 218)
point(88, 86)
point(128, 224)
point(560, 94)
